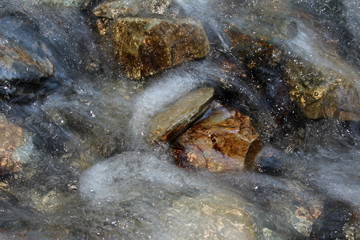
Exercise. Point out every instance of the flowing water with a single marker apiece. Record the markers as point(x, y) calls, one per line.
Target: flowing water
point(89, 173)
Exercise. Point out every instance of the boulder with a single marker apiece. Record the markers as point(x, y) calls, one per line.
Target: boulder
point(174, 119)
point(226, 140)
point(25, 58)
point(146, 46)
point(11, 138)
point(18, 64)
point(323, 92)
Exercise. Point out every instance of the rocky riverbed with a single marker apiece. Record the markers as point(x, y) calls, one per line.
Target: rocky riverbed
point(178, 119)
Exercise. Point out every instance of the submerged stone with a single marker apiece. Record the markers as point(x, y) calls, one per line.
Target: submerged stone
point(11, 138)
point(25, 58)
point(146, 46)
point(322, 92)
point(223, 216)
point(17, 64)
point(162, 202)
point(173, 120)
point(226, 140)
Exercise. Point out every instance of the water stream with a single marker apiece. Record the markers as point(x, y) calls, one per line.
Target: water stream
point(89, 172)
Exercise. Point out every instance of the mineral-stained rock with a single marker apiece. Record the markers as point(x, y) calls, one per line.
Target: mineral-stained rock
point(323, 92)
point(177, 117)
point(17, 64)
point(25, 59)
point(119, 8)
point(11, 137)
point(146, 46)
point(225, 140)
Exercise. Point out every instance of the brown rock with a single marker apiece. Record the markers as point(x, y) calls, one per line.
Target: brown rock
point(11, 137)
point(224, 141)
point(147, 46)
point(177, 117)
point(323, 92)
point(252, 51)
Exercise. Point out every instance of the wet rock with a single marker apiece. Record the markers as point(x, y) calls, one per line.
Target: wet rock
point(253, 51)
point(15, 215)
point(97, 124)
point(170, 197)
point(18, 64)
point(114, 9)
point(12, 138)
point(146, 46)
point(226, 140)
point(323, 92)
point(173, 120)
point(217, 217)
point(25, 59)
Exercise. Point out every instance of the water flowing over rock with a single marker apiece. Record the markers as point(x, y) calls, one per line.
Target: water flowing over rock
point(146, 46)
point(11, 138)
point(224, 141)
point(323, 92)
point(174, 119)
point(114, 9)
point(169, 200)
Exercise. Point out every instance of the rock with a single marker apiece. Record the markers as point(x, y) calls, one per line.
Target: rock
point(252, 51)
point(146, 46)
point(217, 217)
point(137, 186)
point(11, 138)
point(267, 161)
point(323, 92)
point(224, 141)
point(25, 59)
point(98, 124)
point(111, 9)
point(174, 120)
point(17, 64)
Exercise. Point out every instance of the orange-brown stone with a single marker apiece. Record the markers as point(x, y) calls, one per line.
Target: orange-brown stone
point(11, 137)
point(226, 140)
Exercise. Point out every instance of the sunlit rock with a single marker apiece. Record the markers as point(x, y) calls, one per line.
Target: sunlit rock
point(12, 138)
point(226, 140)
point(323, 92)
point(119, 8)
point(146, 46)
point(174, 119)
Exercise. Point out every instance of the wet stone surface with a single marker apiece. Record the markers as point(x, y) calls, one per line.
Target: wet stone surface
point(11, 138)
point(225, 140)
point(322, 92)
point(25, 58)
point(174, 119)
point(146, 46)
